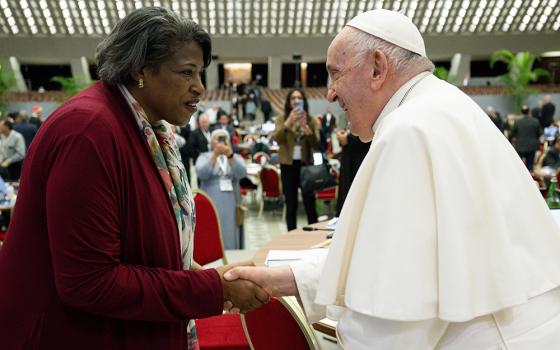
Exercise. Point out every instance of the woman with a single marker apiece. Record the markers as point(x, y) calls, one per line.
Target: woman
point(99, 250)
point(219, 172)
point(297, 134)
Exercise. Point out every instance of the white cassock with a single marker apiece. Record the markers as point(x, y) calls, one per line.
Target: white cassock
point(444, 240)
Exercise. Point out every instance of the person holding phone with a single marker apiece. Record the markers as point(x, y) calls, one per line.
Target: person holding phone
point(297, 134)
point(219, 172)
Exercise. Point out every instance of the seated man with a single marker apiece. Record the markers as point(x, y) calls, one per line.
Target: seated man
point(552, 157)
point(12, 151)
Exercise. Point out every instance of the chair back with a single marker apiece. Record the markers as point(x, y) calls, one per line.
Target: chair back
point(279, 325)
point(270, 182)
point(208, 243)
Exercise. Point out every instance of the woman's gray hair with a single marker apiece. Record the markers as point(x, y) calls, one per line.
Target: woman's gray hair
point(402, 60)
point(146, 37)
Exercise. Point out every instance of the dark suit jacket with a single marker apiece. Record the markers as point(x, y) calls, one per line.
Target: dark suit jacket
point(92, 256)
point(197, 144)
point(229, 128)
point(327, 128)
point(525, 134)
point(547, 113)
point(27, 130)
point(352, 155)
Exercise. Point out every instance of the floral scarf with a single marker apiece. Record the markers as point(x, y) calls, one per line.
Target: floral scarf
point(163, 147)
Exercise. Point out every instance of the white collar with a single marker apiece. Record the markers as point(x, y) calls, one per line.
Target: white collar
point(397, 98)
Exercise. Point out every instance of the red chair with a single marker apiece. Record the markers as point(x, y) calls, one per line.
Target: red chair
point(224, 332)
point(261, 158)
point(279, 325)
point(208, 244)
point(327, 195)
point(270, 184)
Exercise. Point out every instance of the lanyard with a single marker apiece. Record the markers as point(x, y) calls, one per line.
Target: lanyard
point(222, 164)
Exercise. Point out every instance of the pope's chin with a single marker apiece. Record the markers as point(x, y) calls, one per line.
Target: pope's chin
point(364, 135)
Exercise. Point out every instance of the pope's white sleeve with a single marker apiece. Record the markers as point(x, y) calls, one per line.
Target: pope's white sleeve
point(307, 273)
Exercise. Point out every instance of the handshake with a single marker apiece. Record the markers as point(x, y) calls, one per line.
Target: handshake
point(247, 287)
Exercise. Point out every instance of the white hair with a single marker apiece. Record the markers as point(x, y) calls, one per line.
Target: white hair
point(403, 61)
point(219, 132)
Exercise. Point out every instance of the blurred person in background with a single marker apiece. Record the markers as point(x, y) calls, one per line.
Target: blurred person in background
point(552, 157)
point(525, 135)
point(266, 108)
point(36, 116)
point(297, 134)
point(99, 252)
point(328, 124)
point(495, 118)
point(547, 111)
point(224, 123)
point(219, 172)
point(26, 129)
point(12, 150)
point(199, 139)
point(353, 153)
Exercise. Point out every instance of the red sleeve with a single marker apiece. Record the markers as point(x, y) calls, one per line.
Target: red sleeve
point(84, 239)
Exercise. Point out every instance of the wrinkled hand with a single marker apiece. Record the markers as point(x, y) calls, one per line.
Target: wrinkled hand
point(241, 295)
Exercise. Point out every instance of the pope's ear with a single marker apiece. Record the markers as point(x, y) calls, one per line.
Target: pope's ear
point(379, 69)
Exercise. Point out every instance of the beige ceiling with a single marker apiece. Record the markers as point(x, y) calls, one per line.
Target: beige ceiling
point(29, 22)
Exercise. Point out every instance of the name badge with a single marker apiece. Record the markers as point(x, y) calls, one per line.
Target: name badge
point(225, 184)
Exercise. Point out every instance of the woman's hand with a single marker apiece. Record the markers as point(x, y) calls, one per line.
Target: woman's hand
point(222, 148)
point(295, 116)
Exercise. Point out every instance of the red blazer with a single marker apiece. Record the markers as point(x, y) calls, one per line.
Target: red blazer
point(91, 259)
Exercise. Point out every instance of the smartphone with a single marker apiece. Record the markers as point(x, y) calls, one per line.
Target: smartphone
point(222, 139)
point(299, 104)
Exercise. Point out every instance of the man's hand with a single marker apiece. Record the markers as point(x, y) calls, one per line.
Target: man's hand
point(276, 281)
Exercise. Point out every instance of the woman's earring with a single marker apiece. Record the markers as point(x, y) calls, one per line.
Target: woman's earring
point(141, 83)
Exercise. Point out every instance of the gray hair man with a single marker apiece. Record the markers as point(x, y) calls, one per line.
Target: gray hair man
point(443, 240)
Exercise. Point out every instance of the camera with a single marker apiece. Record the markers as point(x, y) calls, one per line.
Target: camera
point(222, 139)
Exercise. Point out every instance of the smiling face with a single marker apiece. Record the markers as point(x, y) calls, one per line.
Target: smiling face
point(357, 84)
point(172, 90)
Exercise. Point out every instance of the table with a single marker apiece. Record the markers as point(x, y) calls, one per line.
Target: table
point(295, 240)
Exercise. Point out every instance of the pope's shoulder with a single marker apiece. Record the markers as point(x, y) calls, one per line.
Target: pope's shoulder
point(436, 103)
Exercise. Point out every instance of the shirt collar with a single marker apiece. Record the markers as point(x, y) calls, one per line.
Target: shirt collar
point(396, 99)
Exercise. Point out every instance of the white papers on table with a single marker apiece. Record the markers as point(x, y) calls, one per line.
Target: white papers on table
point(285, 257)
point(332, 223)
